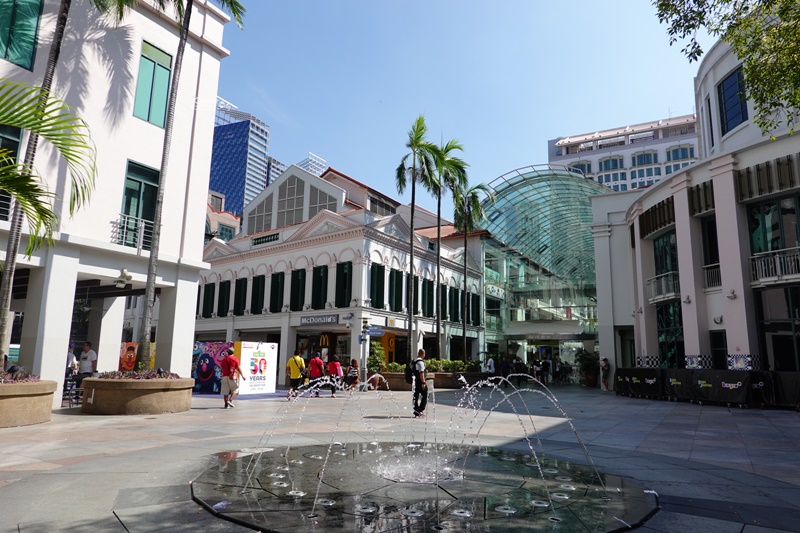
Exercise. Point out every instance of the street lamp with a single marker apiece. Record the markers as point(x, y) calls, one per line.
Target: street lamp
point(364, 349)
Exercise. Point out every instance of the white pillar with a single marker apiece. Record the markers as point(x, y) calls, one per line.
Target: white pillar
point(175, 334)
point(248, 294)
point(360, 290)
point(286, 347)
point(309, 287)
point(48, 316)
point(216, 298)
point(331, 299)
point(105, 331)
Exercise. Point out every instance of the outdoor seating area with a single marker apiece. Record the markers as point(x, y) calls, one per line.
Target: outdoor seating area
point(72, 395)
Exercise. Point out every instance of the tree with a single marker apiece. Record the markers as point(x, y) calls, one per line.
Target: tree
point(451, 173)
point(79, 192)
point(468, 213)
point(184, 13)
point(421, 171)
point(764, 34)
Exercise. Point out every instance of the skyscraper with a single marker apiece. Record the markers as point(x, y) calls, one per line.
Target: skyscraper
point(239, 157)
point(313, 164)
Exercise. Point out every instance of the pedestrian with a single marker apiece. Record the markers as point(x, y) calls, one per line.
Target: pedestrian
point(87, 365)
point(545, 371)
point(334, 373)
point(420, 400)
point(351, 378)
point(316, 369)
point(489, 366)
point(505, 370)
point(520, 369)
point(295, 368)
point(604, 371)
point(72, 362)
point(231, 371)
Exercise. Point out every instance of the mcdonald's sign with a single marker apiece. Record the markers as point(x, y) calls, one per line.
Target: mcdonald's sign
point(324, 341)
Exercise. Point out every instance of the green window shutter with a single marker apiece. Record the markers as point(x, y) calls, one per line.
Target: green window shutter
point(391, 290)
point(208, 300)
point(224, 301)
point(377, 284)
point(19, 24)
point(381, 288)
point(443, 299)
point(319, 287)
point(257, 295)
point(240, 297)
point(476, 310)
point(276, 292)
point(197, 306)
point(297, 291)
point(344, 284)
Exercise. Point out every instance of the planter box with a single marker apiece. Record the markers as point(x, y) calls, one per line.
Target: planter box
point(136, 396)
point(397, 380)
point(24, 404)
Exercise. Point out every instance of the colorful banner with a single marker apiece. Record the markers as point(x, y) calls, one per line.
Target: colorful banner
point(129, 356)
point(259, 362)
point(206, 371)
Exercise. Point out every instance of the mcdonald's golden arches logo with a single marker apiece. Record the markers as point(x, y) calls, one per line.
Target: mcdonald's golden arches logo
point(324, 341)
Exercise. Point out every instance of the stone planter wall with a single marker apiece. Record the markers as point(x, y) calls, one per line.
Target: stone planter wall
point(23, 404)
point(397, 380)
point(136, 396)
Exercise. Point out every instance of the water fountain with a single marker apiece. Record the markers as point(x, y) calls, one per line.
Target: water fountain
point(396, 481)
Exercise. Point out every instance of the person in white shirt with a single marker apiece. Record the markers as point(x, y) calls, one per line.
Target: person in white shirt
point(88, 363)
point(490, 366)
point(72, 363)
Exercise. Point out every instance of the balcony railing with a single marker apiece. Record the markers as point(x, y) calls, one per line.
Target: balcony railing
point(775, 265)
point(133, 232)
point(663, 287)
point(711, 276)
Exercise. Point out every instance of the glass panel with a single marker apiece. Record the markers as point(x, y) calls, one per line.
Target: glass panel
point(789, 223)
point(21, 48)
point(158, 100)
point(144, 88)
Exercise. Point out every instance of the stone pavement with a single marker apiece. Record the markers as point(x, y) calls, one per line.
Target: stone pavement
point(714, 468)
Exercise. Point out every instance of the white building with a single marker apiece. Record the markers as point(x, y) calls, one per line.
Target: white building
point(629, 157)
point(119, 87)
point(705, 265)
point(320, 256)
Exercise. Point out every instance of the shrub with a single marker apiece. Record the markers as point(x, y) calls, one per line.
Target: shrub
point(20, 376)
point(472, 366)
point(138, 374)
point(377, 357)
point(395, 367)
point(433, 365)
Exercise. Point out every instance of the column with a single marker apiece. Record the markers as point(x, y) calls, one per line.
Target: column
point(175, 334)
point(105, 331)
point(645, 327)
point(248, 294)
point(267, 291)
point(689, 234)
point(601, 233)
point(286, 347)
point(287, 289)
point(48, 316)
point(331, 298)
point(360, 288)
point(386, 278)
point(309, 287)
point(739, 315)
point(216, 298)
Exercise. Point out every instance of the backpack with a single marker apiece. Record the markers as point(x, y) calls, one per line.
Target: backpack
point(410, 369)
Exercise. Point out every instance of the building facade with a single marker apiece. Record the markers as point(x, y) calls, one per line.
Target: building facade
point(712, 252)
point(124, 108)
point(629, 157)
point(320, 257)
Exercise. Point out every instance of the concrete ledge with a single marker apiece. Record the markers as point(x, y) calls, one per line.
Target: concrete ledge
point(24, 404)
point(136, 396)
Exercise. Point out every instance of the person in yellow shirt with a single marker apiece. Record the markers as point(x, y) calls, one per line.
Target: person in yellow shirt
point(295, 369)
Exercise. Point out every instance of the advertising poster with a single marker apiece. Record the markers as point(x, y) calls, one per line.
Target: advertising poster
point(259, 362)
point(128, 354)
point(206, 371)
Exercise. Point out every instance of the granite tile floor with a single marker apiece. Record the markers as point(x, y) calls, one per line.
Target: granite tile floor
point(714, 468)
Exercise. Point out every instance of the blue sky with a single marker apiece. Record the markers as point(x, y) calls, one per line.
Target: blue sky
point(345, 79)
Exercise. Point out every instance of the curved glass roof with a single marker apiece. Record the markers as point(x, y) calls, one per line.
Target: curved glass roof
point(545, 214)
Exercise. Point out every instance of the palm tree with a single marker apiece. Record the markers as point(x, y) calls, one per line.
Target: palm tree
point(421, 171)
point(183, 10)
point(79, 192)
point(468, 213)
point(451, 173)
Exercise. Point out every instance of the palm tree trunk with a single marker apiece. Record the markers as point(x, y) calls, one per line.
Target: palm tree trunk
point(150, 288)
point(436, 291)
point(464, 296)
point(15, 231)
point(410, 290)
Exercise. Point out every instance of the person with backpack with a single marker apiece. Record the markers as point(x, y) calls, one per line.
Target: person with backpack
point(416, 372)
point(316, 369)
point(295, 371)
point(334, 372)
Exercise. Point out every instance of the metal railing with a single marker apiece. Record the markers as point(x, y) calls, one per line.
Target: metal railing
point(711, 276)
point(775, 264)
point(133, 232)
point(664, 286)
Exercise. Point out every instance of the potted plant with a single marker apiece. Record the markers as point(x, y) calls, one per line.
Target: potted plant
point(589, 365)
point(25, 399)
point(136, 392)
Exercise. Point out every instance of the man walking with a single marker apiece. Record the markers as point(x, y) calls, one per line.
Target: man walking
point(316, 369)
point(420, 387)
point(230, 373)
point(87, 364)
point(294, 370)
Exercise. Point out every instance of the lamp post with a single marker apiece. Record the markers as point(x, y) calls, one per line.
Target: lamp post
point(364, 349)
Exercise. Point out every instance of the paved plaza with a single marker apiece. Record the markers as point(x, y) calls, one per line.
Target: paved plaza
point(714, 468)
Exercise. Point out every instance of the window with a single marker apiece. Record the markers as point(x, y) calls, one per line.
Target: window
point(19, 23)
point(396, 290)
point(611, 163)
point(290, 201)
point(9, 139)
point(732, 101)
point(259, 219)
point(710, 122)
point(415, 294)
point(677, 153)
point(584, 167)
point(240, 297)
point(644, 158)
point(224, 300)
point(215, 202)
point(225, 232)
point(276, 292)
point(152, 86)
point(427, 298)
point(380, 207)
point(623, 187)
point(297, 291)
point(319, 287)
point(257, 295)
point(208, 300)
point(476, 310)
point(665, 253)
point(455, 305)
point(377, 282)
point(344, 284)
point(319, 201)
point(138, 206)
